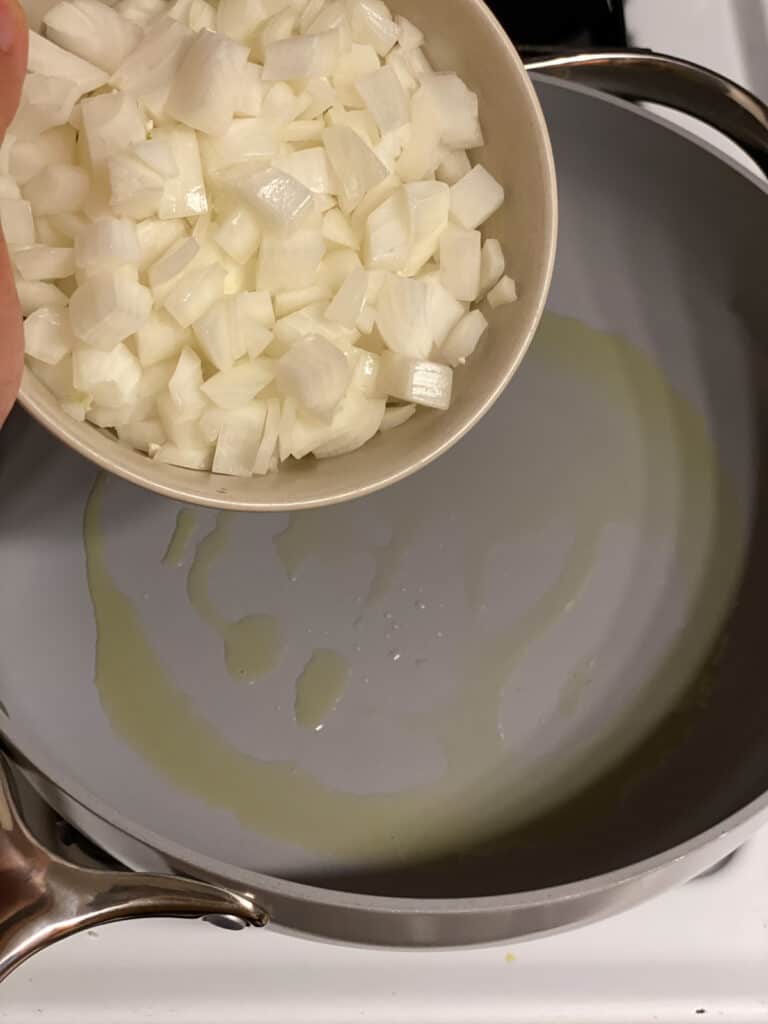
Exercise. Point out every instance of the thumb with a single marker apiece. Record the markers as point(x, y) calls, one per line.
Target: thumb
point(13, 63)
point(13, 59)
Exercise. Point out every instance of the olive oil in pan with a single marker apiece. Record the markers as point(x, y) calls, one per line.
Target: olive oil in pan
point(319, 688)
point(252, 644)
point(283, 800)
point(184, 531)
point(158, 721)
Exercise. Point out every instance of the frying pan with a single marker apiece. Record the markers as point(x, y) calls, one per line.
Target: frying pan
point(517, 692)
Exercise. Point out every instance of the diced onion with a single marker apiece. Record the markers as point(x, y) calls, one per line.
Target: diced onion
point(245, 231)
point(503, 293)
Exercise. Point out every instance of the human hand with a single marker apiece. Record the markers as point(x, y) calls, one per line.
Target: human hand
point(13, 63)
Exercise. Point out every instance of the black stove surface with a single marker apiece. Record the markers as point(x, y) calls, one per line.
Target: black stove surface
point(563, 23)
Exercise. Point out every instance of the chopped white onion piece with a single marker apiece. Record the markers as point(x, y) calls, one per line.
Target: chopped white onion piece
point(388, 234)
point(492, 264)
point(46, 58)
point(195, 293)
point(184, 195)
point(111, 123)
point(110, 378)
point(386, 99)
point(140, 12)
point(235, 387)
point(503, 293)
point(350, 299)
point(338, 229)
point(156, 237)
point(250, 97)
point(60, 188)
point(312, 168)
point(269, 438)
point(366, 373)
point(475, 198)
point(460, 256)
point(359, 60)
point(107, 243)
point(463, 339)
point(205, 88)
point(16, 222)
point(355, 422)
point(44, 263)
point(187, 458)
point(396, 416)
point(356, 165)
point(445, 310)
point(279, 26)
point(454, 165)
point(37, 294)
point(48, 336)
point(135, 189)
point(239, 19)
point(409, 37)
point(239, 439)
point(289, 263)
point(429, 205)
point(219, 333)
point(457, 110)
point(28, 158)
point(159, 339)
point(93, 31)
point(422, 154)
point(173, 262)
point(310, 321)
point(403, 317)
point(372, 23)
point(289, 302)
point(142, 435)
point(8, 188)
point(47, 233)
point(308, 432)
point(185, 384)
point(239, 234)
point(108, 308)
point(277, 199)
point(151, 68)
point(417, 381)
point(68, 224)
point(45, 103)
point(311, 56)
point(315, 373)
point(246, 140)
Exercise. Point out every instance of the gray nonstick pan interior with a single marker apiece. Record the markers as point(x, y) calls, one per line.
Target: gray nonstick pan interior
point(536, 661)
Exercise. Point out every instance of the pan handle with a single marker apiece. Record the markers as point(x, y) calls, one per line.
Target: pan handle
point(659, 78)
point(44, 899)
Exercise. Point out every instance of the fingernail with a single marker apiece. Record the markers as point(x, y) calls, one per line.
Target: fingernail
point(10, 20)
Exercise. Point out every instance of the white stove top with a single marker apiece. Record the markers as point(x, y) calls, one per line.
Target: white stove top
point(700, 952)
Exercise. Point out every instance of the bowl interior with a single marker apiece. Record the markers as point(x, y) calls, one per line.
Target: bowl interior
point(462, 35)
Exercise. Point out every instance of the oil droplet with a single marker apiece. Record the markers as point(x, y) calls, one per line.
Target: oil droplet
point(395, 655)
point(186, 524)
point(421, 606)
point(319, 688)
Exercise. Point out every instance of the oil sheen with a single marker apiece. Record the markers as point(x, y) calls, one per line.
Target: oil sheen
point(150, 711)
